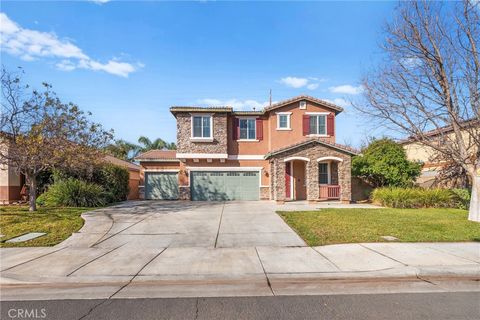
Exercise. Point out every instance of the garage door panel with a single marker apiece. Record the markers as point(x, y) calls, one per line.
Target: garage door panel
point(208, 186)
point(225, 185)
point(161, 185)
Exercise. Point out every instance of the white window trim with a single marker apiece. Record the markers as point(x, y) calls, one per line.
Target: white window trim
point(239, 130)
point(289, 121)
point(326, 124)
point(201, 139)
point(329, 181)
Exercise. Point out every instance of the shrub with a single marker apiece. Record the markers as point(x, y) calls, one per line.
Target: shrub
point(114, 180)
point(414, 198)
point(462, 198)
point(73, 193)
point(384, 163)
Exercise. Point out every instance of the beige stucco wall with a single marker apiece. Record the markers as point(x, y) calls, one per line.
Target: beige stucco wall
point(419, 152)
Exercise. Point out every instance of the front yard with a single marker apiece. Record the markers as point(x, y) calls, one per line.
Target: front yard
point(58, 223)
point(331, 226)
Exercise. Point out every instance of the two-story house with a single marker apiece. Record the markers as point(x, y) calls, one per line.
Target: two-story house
point(286, 151)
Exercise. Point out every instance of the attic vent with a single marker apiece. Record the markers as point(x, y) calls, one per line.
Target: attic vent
point(303, 105)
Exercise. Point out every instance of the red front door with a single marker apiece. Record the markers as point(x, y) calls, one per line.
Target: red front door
point(288, 174)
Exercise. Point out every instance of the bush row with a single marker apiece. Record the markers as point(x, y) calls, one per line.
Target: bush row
point(109, 184)
point(421, 198)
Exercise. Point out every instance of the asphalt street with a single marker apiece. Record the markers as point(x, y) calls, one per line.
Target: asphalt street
point(457, 306)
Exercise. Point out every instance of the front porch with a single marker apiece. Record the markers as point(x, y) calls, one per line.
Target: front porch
point(313, 171)
point(296, 178)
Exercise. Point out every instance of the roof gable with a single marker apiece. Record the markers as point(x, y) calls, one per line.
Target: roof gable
point(323, 103)
point(336, 146)
point(227, 109)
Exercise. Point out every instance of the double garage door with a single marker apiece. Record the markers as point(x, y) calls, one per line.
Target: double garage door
point(224, 185)
point(205, 185)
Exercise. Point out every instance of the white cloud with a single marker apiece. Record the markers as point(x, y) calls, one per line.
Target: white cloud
point(99, 1)
point(294, 82)
point(339, 102)
point(235, 103)
point(28, 45)
point(346, 89)
point(310, 83)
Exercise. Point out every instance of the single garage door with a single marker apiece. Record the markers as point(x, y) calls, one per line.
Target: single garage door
point(161, 185)
point(225, 185)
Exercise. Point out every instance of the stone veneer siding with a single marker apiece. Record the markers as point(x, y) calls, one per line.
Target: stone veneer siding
point(264, 193)
point(184, 192)
point(184, 133)
point(312, 152)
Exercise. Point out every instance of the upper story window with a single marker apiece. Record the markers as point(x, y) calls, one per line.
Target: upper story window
point(202, 126)
point(247, 129)
point(318, 124)
point(283, 120)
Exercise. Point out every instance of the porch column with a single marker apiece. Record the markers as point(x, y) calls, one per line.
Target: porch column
point(279, 180)
point(313, 193)
point(345, 179)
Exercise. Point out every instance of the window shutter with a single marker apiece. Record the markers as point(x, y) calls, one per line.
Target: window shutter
point(236, 128)
point(306, 125)
point(331, 124)
point(259, 127)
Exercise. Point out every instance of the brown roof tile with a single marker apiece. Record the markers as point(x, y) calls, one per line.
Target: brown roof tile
point(327, 104)
point(122, 163)
point(176, 109)
point(313, 140)
point(444, 130)
point(279, 104)
point(157, 155)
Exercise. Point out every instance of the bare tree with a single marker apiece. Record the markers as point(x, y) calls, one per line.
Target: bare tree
point(430, 80)
point(39, 132)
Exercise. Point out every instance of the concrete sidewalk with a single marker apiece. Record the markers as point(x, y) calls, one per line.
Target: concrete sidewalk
point(127, 272)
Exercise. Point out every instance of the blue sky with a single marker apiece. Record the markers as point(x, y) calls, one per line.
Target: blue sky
point(128, 62)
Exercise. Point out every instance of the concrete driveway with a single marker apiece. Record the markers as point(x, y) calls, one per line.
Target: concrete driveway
point(173, 249)
point(163, 224)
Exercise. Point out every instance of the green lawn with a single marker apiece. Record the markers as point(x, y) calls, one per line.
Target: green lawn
point(58, 223)
point(330, 226)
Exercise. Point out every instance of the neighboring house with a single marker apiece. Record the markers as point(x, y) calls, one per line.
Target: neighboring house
point(134, 171)
point(287, 151)
point(11, 183)
point(432, 165)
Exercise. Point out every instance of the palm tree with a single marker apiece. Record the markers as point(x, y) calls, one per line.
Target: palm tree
point(123, 149)
point(158, 143)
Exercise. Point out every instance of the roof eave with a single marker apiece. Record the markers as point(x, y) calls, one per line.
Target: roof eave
point(274, 153)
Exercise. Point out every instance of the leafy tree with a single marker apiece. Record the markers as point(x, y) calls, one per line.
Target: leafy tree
point(123, 150)
point(40, 133)
point(385, 163)
point(429, 80)
point(158, 143)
